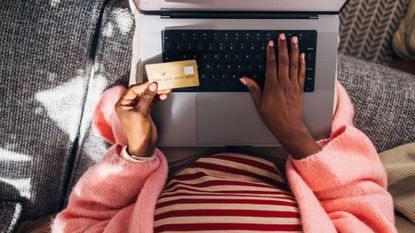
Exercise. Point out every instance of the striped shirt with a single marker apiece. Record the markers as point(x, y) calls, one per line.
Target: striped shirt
point(227, 193)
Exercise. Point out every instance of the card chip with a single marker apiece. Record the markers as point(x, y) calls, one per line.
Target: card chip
point(188, 70)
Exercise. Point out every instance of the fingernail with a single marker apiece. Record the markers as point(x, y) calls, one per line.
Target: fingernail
point(271, 43)
point(302, 56)
point(163, 97)
point(153, 87)
point(243, 81)
point(295, 40)
point(282, 36)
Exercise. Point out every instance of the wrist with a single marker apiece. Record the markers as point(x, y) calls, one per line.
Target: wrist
point(300, 143)
point(135, 159)
point(292, 134)
point(140, 151)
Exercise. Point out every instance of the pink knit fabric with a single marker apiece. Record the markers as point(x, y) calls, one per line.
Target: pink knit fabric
point(340, 189)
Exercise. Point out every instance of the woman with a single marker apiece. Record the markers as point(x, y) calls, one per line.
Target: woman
point(335, 185)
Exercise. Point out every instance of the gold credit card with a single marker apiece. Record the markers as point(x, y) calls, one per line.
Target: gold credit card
point(171, 75)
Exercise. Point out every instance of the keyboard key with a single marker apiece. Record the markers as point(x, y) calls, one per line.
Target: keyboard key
point(255, 76)
point(189, 46)
point(258, 36)
point(247, 35)
point(231, 46)
point(215, 36)
point(259, 57)
point(213, 76)
point(223, 76)
point(226, 56)
point(236, 56)
point(218, 67)
point(234, 76)
point(234, 36)
point(208, 66)
point(167, 46)
point(169, 36)
point(227, 36)
point(183, 36)
point(205, 36)
point(228, 67)
point(194, 36)
point(269, 36)
point(263, 46)
point(209, 46)
point(205, 57)
point(220, 46)
point(199, 46)
point(250, 66)
point(242, 46)
point(195, 56)
point(260, 67)
point(247, 57)
point(180, 46)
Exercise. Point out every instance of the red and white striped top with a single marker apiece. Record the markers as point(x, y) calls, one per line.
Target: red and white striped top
point(227, 193)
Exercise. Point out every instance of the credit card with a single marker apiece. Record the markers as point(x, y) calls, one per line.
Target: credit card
point(170, 75)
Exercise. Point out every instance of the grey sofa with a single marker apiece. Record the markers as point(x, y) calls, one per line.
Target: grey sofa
point(57, 57)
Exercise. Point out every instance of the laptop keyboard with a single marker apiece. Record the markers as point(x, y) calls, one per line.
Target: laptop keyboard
point(223, 56)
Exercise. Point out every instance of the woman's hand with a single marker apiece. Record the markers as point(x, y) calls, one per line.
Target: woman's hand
point(280, 104)
point(133, 110)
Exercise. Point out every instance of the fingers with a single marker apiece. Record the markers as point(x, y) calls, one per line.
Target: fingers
point(271, 66)
point(282, 59)
point(146, 99)
point(164, 92)
point(162, 95)
point(253, 88)
point(301, 72)
point(294, 55)
point(131, 95)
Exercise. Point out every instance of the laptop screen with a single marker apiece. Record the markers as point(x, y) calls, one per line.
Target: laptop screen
point(244, 5)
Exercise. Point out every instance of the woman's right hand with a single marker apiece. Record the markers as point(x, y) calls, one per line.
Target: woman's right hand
point(133, 110)
point(280, 103)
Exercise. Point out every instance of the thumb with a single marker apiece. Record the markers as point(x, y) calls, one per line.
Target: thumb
point(146, 99)
point(253, 88)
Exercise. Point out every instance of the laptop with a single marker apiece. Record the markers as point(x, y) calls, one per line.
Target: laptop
point(228, 39)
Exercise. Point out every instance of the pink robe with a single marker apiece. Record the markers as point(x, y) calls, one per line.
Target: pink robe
point(340, 189)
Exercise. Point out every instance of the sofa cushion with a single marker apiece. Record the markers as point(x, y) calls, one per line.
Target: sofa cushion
point(46, 62)
point(384, 101)
point(111, 67)
point(10, 214)
point(367, 27)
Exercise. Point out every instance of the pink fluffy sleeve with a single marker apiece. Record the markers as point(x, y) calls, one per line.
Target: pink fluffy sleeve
point(114, 195)
point(343, 187)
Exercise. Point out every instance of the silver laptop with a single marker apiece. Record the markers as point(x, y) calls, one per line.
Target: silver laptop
point(227, 39)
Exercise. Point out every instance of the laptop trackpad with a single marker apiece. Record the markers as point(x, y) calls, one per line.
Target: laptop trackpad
point(230, 119)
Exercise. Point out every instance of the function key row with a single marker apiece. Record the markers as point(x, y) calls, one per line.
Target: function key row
point(233, 35)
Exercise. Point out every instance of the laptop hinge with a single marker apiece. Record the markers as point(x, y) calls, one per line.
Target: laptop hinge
point(167, 13)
